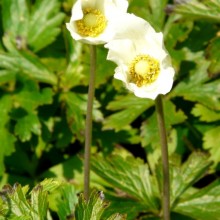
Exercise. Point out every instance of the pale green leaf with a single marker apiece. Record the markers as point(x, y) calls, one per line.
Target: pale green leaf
point(66, 204)
point(94, 208)
point(130, 107)
point(39, 203)
point(44, 24)
point(129, 175)
point(194, 9)
point(202, 205)
point(211, 142)
point(27, 64)
point(19, 203)
point(15, 16)
point(27, 125)
point(197, 89)
point(30, 97)
point(213, 54)
point(185, 176)
point(36, 28)
point(205, 114)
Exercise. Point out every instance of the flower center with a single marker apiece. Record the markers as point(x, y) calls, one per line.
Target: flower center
point(92, 24)
point(144, 70)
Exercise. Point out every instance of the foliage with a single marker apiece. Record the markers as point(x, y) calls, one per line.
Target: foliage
point(43, 95)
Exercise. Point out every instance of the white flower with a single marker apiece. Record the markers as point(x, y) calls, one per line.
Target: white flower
point(143, 63)
point(93, 21)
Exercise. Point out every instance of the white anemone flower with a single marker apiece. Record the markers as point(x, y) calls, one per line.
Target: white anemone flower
point(93, 21)
point(143, 62)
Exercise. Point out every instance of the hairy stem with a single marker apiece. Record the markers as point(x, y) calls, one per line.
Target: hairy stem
point(88, 129)
point(165, 160)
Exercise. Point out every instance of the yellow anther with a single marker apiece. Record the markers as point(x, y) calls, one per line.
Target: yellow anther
point(144, 70)
point(92, 24)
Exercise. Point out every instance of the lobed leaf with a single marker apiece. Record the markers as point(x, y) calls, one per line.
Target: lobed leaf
point(94, 208)
point(184, 177)
point(130, 108)
point(129, 175)
point(206, 114)
point(202, 205)
point(207, 10)
point(211, 142)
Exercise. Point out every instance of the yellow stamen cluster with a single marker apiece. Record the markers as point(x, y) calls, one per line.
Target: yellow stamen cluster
point(92, 24)
point(144, 70)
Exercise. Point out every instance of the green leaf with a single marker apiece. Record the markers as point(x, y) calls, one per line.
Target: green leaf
point(126, 206)
point(27, 64)
point(39, 203)
point(131, 107)
point(6, 138)
point(211, 142)
point(176, 32)
point(26, 102)
point(213, 54)
point(194, 9)
point(74, 68)
point(94, 208)
point(76, 105)
point(27, 125)
point(6, 76)
point(202, 205)
point(152, 10)
point(66, 204)
point(17, 203)
point(205, 114)
point(44, 24)
point(150, 133)
point(197, 89)
point(129, 175)
point(185, 176)
point(29, 98)
point(66, 170)
point(15, 16)
point(37, 28)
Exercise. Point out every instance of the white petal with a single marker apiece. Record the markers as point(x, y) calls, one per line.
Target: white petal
point(121, 51)
point(107, 7)
point(77, 12)
point(121, 73)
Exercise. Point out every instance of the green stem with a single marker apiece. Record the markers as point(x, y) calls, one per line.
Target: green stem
point(88, 129)
point(165, 160)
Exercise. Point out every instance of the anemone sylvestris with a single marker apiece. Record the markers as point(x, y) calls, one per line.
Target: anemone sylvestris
point(93, 21)
point(143, 62)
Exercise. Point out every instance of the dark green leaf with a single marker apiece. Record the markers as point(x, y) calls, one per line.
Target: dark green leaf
point(153, 11)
